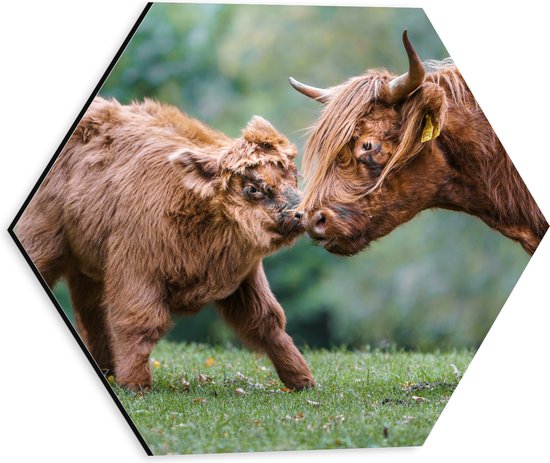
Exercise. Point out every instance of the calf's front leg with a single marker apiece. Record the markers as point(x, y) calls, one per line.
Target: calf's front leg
point(259, 320)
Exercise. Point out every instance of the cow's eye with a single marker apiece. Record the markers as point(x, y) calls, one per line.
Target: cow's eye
point(250, 191)
point(370, 153)
point(371, 147)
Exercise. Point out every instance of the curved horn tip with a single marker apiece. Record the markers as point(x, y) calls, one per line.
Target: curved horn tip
point(293, 81)
point(403, 85)
point(315, 93)
point(407, 43)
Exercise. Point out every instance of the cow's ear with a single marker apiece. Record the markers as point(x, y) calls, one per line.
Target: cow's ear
point(427, 107)
point(198, 169)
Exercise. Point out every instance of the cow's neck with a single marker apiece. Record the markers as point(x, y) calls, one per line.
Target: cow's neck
point(485, 183)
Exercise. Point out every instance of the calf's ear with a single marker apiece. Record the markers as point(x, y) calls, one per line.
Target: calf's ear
point(197, 168)
point(259, 130)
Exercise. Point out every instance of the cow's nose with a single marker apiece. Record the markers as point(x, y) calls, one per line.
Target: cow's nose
point(316, 225)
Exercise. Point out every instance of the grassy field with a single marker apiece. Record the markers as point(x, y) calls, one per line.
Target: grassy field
point(211, 399)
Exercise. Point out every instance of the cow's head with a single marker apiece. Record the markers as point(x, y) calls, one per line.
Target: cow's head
point(370, 162)
point(252, 181)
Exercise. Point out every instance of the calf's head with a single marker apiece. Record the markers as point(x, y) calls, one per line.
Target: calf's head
point(252, 183)
point(370, 162)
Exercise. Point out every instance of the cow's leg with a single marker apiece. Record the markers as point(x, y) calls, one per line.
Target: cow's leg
point(91, 317)
point(138, 316)
point(259, 320)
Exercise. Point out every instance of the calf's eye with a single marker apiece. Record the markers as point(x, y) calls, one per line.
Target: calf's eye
point(250, 191)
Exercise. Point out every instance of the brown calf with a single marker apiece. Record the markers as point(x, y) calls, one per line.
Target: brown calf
point(147, 212)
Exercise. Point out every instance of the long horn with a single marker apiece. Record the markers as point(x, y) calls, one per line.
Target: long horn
point(403, 85)
point(319, 94)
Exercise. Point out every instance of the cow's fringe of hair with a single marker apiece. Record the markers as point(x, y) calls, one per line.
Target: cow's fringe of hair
point(408, 148)
point(337, 124)
point(334, 130)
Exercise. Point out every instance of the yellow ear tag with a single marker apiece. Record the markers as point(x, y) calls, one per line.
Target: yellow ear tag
point(429, 132)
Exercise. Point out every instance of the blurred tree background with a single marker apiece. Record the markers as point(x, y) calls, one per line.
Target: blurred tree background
point(436, 282)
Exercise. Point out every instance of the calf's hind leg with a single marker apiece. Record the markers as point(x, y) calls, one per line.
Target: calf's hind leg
point(43, 239)
point(91, 317)
point(259, 320)
point(138, 316)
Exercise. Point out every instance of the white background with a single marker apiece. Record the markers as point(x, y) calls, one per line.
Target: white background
point(52, 404)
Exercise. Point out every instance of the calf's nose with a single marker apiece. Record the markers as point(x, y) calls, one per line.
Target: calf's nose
point(316, 224)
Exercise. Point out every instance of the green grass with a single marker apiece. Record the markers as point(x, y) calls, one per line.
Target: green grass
point(363, 399)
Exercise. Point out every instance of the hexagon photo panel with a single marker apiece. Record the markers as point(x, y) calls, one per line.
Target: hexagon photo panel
point(257, 263)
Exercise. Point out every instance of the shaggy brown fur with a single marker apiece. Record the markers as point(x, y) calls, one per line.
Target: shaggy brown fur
point(146, 212)
point(367, 170)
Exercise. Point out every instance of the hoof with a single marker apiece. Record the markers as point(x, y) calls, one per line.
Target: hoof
point(300, 384)
point(137, 388)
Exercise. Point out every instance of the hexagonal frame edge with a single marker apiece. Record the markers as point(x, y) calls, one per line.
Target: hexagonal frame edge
point(11, 228)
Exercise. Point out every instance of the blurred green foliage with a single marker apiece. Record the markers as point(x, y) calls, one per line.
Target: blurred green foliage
point(438, 281)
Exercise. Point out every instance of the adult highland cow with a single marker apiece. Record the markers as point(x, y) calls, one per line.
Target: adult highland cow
point(147, 212)
point(387, 147)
